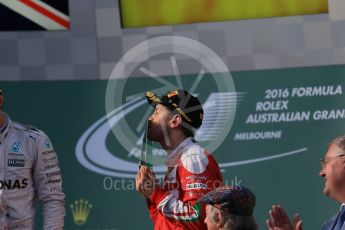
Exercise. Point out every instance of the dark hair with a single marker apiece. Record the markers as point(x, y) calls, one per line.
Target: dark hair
point(187, 129)
point(339, 142)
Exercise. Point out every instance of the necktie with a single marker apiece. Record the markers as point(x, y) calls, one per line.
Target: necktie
point(340, 219)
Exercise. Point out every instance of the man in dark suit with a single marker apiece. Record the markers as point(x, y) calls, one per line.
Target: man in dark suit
point(333, 170)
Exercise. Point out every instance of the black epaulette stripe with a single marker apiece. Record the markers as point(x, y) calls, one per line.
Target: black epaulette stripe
point(30, 129)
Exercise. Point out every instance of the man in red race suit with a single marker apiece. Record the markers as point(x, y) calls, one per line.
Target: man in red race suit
point(192, 170)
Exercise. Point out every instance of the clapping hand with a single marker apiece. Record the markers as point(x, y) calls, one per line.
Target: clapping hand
point(281, 221)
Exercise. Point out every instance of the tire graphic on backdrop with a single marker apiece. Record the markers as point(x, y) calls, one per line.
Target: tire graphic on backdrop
point(219, 107)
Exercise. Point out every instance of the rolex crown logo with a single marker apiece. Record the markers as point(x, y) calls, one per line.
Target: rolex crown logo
point(80, 211)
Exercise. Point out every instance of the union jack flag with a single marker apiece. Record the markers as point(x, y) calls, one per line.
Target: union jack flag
point(34, 15)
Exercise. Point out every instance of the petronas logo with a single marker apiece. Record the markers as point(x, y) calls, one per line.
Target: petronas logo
point(15, 147)
point(80, 211)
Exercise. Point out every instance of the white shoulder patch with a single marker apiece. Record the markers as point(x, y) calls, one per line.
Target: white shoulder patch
point(194, 159)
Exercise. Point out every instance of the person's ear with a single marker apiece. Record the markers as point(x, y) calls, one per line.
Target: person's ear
point(1, 101)
point(175, 121)
point(219, 219)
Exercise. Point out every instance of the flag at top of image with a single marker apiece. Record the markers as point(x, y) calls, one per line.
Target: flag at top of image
point(34, 15)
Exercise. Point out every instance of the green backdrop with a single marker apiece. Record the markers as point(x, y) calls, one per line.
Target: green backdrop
point(66, 109)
